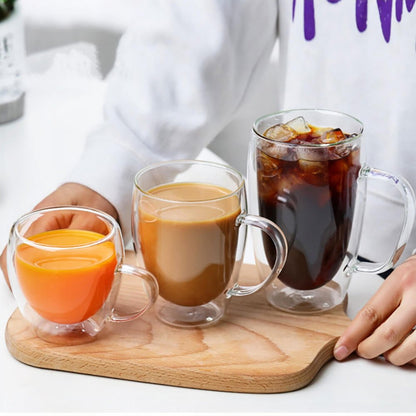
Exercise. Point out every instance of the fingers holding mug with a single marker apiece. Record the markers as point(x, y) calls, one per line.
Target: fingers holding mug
point(385, 324)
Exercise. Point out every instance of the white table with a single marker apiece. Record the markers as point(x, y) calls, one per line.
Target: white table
point(36, 152)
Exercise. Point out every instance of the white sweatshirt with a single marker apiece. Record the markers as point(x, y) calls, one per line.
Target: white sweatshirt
point(184, 69)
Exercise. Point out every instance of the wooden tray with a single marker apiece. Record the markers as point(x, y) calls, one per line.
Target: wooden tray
point(254, 349)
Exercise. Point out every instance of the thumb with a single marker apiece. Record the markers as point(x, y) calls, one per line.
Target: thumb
point(3, 265)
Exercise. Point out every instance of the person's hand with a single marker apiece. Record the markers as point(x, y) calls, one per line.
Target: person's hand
point(68, 194)
point(384, 326)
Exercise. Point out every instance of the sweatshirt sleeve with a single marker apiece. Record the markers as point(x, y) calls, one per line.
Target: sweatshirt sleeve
point(181, 72)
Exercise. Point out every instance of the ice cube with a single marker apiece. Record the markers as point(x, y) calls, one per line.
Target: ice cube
point(333, 136)
point(267, 166)
point(313, 167)
point(314, 172)
point(312, 154)
point(277, 151)
point(287, 183)
point(340, 151)
point(346, 150)
point(318, 133)
point(279, 132)
point(299, 125)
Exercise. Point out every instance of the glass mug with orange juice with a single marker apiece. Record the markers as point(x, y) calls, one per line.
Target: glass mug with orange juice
point(189, 221)
point(65, 266)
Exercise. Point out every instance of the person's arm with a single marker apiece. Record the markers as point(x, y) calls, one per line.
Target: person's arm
point(384, 326)
point(181, 72)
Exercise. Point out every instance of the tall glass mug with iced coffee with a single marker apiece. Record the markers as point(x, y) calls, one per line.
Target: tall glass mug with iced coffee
point(307, 174)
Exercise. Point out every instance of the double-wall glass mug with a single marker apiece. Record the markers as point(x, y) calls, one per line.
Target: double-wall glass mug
point(307, 173)
point(188, 223)
point(65, 266)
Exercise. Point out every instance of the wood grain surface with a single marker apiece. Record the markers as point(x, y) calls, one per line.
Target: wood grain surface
point(254, 349)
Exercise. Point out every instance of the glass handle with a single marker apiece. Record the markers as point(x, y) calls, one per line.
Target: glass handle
point(408, 196)
point(279, 240)
point(152, 291)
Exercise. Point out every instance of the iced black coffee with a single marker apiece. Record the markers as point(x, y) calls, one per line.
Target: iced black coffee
point(307, 178)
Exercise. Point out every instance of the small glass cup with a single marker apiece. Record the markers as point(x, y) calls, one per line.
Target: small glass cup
point(187, 219)
point(65, 266)
point(316, 193)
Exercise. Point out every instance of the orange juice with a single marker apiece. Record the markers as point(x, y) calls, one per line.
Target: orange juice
point(67, 285)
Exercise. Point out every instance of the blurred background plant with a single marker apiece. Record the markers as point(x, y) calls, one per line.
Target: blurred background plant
point(6, 8)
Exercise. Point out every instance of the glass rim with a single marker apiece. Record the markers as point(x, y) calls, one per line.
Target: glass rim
point(189, 162)
point(353, 137)
point(29, 242)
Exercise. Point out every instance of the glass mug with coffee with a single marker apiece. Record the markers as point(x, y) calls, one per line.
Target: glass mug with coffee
point(187, 226)
point(306, 173)
point(65, 265)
